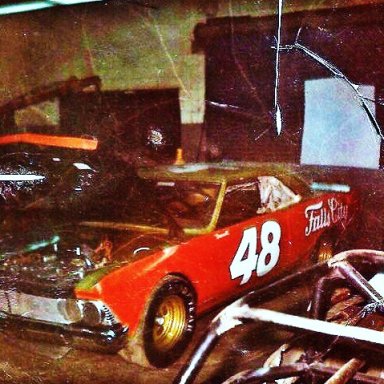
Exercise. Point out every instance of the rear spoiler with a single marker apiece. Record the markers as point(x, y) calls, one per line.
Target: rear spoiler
point(345, 188)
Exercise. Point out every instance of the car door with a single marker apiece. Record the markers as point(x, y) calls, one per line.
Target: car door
point(249, 246)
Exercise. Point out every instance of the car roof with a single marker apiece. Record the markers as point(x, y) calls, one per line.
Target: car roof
point(217, 172)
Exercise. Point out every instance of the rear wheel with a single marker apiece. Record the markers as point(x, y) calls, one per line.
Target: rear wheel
point(325, 249)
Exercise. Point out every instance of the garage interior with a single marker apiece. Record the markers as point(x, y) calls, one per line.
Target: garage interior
point(201, 76)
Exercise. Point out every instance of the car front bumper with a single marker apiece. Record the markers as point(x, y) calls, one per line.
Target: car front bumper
point(107, 339)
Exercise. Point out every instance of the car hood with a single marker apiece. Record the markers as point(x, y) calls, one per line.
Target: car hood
point(50, 261)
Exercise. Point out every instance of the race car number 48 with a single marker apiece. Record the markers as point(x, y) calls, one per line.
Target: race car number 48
point(247, 260)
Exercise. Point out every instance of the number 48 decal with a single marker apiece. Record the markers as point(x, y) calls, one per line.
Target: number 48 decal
point(247, 260)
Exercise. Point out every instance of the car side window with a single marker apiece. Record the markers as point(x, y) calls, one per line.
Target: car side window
point(241, 202)
point(274, 194)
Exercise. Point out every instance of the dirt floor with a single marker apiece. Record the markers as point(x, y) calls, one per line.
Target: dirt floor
point(25, 361)
point(29, 362)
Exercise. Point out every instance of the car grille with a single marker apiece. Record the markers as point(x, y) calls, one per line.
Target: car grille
point(31, 306)
point(44, 308)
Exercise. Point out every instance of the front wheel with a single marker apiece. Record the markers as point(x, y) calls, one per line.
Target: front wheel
point(169, 321)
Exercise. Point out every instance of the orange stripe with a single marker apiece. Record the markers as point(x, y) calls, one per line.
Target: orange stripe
point(49, 140)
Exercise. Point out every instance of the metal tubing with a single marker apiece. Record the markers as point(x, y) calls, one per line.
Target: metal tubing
point(268, 374)
point(191, 369)
point(358, 281)
point(318, 302)
point(367, 335)
point(346, 372)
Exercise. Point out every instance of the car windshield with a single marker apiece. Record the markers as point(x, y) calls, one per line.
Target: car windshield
point(191, 204)
point(146, 205)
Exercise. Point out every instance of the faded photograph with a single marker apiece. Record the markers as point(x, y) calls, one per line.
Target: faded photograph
point(191, 191)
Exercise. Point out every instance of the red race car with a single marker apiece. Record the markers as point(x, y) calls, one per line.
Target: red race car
point(188, 239)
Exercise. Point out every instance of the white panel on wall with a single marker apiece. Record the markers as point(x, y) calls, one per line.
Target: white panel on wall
point(337, 130)
point(192, 91)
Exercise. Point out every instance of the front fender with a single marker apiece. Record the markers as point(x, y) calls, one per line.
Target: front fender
point(128, 290)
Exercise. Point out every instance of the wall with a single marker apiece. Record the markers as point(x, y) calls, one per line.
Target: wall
point(241, 74)
point(128, 46)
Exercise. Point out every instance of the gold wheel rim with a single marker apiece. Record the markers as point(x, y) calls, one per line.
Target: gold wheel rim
point(325, 251)
point(170, 322)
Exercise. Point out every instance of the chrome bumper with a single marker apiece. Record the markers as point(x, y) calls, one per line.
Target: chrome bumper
point(107, 339)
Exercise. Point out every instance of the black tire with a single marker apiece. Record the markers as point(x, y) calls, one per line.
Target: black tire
point(169, 321)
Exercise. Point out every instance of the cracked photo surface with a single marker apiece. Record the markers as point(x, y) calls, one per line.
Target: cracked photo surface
point(191, 191)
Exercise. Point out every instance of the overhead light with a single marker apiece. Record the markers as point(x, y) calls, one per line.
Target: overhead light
point(38, 5)
point(71, 2)
point(24, 7)
point(21, 177)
